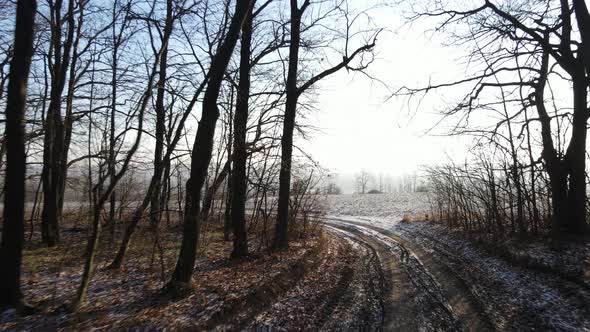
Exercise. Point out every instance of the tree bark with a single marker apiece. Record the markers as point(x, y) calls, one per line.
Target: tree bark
point(281, 240)
point(238, 178)
point(202, 150)
point(555, 166)
point(576, 159)
point(155, 206)
point(212, 189)
point(13, 223)
point(53, 174)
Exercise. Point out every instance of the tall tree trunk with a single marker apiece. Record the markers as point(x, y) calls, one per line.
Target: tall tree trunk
point(155, 206)
point(111, 162)
point(281, 240)
point(227, 224)
point(238, 178)
point(555, 166)
point(293, 92)
point(202, 150)
point(533, 178)
point(583, 19)
point(576, 159)
point(53, 175)
point(69, 116)
point(13, 223)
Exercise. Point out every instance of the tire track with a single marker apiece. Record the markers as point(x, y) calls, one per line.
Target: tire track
point(337, 295)
point(412, 298)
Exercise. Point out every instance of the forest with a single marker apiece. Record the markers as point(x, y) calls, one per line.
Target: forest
point(155, 173)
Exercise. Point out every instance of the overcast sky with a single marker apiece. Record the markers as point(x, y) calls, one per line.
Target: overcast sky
point(361, 130)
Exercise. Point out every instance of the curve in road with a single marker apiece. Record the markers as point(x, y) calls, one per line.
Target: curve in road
point(420, 293)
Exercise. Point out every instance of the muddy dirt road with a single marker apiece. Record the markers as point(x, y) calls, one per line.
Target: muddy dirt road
point(419, 294)
point(433, 281)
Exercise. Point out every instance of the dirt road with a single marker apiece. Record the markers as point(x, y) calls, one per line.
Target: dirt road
point(419, 293)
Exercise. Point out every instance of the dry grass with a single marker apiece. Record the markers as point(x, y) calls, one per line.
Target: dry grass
point(132, 296)
point(416, 217)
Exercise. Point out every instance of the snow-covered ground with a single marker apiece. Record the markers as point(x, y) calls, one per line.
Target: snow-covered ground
point(383, 210)
point(513, 295)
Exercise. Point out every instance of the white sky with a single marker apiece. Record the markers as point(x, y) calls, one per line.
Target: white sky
point(360, 130)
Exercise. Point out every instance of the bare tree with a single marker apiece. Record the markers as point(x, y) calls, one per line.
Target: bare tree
point(174, 137)
point(362, 179)
point(202, 149)
point(54, 148)
point(294, 90)
point(522, 50)
point(14, 200)
point(92, 246)
point(238, 180)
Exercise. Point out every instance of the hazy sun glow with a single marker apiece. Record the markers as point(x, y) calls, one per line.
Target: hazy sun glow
point(360, 128)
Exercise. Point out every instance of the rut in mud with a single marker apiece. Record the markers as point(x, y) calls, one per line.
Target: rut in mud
point(413, 297)
point(481, 290)
point(370, 280)
point(342, 293)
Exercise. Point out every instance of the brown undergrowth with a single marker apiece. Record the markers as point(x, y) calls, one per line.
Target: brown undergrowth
point(224, 291)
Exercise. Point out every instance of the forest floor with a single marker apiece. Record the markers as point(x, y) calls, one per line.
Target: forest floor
point(322, 282)
point(365, 270)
